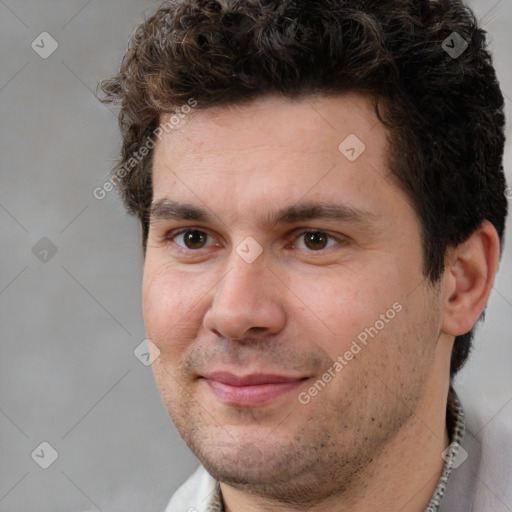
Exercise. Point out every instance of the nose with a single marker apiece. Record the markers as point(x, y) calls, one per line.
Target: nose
point(247, 302)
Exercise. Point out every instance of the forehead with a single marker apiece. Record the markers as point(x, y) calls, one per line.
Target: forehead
point(274, 151)
point(305, 124)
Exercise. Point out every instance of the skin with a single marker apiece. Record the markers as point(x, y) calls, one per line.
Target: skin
point(372, 438)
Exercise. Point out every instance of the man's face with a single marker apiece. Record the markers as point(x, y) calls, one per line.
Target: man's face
point(250, 329)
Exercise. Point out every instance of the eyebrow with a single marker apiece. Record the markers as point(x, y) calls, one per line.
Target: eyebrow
point(165, 209)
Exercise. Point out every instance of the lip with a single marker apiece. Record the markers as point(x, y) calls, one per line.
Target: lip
point(252, 390)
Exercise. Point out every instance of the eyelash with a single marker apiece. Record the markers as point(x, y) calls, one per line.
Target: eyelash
point(169, 238)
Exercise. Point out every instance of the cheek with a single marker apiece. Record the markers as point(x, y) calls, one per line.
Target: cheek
point(344, 307)
point(172, 309)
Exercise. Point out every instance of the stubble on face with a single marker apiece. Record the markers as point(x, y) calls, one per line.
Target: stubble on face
point(292, 453)
point(331, 449)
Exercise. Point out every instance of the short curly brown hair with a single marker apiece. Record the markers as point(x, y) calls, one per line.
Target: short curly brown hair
point(444, 112)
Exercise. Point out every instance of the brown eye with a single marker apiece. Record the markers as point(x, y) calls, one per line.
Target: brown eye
point(316, 240)
point(195, 239)
point(192, 239)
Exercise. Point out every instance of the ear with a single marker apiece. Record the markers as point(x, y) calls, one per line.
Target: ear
point(468, 279)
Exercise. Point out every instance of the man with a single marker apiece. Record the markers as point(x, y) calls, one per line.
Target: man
point(321, 193)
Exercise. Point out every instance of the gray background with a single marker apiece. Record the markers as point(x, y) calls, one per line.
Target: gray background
point(69, 325)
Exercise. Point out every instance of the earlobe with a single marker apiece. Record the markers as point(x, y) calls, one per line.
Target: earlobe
point(469, 278)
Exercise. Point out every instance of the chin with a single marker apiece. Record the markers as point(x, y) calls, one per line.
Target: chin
point(243, 464)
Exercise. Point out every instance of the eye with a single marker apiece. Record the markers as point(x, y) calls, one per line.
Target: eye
point(316, 240)
point(196, 239)
point(190, 239)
